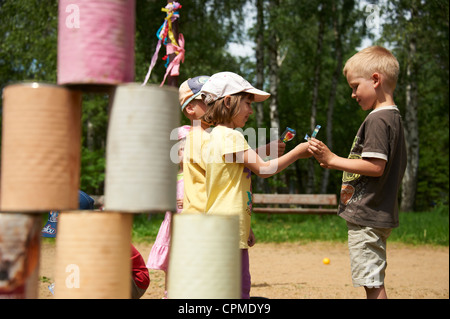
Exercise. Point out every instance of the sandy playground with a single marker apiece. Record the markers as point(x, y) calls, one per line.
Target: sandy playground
point(296, 271)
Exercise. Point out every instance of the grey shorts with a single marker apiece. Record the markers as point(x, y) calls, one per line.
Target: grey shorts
point(367, 247)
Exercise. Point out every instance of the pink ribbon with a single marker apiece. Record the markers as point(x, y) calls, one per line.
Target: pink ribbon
point(153, 62)
point(174, 67)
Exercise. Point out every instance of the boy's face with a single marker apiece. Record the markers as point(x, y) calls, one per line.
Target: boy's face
point(199, 108)
point(363, 90)
point(196, 109)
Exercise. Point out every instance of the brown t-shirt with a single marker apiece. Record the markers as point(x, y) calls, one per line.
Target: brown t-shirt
point(372, 201)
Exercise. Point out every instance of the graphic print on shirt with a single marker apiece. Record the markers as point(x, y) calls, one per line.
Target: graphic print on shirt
point(350, 179)
point(355, 153)
point(249, 194)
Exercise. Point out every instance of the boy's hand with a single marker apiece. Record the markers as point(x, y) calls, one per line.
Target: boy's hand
point(321, 152)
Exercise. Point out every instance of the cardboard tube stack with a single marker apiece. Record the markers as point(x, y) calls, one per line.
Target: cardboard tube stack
point(40, 168)
point(41, 155)
point(41, 158)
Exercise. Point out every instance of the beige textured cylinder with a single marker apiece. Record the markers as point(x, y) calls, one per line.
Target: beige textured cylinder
point(205, 261)
point(140, 174)
point(93, 255)
point(19, 255)
point(40, 148)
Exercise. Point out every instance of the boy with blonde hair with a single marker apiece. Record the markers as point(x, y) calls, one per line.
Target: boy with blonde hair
point(373, 171)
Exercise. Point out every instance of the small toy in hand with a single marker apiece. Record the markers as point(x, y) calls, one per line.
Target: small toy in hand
point(316, 130)
point(288, 135)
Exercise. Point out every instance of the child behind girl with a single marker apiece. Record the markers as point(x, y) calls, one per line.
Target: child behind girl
point(159, 255)
point(231, 159)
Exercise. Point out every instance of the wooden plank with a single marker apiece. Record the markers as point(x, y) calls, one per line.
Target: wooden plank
point(271, 210)
point(299, 199)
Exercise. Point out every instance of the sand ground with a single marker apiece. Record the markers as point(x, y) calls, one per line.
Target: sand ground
point(296, 271)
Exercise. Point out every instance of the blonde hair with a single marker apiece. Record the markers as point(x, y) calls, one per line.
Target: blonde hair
point(218, 113)
point(374, 59)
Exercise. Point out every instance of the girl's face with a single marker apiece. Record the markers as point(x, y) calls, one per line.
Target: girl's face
point(246, 110)
point(363, 90)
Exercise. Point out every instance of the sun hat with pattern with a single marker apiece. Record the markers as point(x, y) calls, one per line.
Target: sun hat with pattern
point(190, 89)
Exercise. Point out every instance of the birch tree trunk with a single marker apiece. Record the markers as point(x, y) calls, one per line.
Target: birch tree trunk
point(316, 85)
point(409, 182)
point(260, 74)
point(260, 59)
point(273, 79)
point(333, 90)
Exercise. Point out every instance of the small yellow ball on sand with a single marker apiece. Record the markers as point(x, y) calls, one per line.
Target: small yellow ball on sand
point(326, 261)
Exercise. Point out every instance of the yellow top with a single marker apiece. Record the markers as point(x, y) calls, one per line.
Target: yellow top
point(228, 182)
point(194, 168)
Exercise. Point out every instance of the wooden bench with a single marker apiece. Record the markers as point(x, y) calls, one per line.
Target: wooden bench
point(295, 203)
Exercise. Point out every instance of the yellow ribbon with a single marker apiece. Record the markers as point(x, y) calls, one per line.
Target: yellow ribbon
point(169, 26)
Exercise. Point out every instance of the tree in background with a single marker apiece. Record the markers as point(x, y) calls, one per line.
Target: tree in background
point(418, 33)
point(302, 45)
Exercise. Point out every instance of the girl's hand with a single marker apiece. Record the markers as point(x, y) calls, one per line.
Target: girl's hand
point(179, 203)
point(251, 239)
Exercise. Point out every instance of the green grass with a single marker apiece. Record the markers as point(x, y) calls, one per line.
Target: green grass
point(416, 228)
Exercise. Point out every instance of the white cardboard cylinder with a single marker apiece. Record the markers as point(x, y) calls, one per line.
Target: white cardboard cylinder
point(205, 260)
point(41, 148)
point(93, 256)
point(140, 174)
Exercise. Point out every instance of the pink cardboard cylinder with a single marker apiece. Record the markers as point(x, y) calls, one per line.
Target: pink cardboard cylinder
point(41, 148)
point(96, 42)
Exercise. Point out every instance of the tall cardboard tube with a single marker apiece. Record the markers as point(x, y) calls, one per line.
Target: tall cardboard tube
point(93, 255)
point(41, 147)
point(140, 173)
point(205, 260)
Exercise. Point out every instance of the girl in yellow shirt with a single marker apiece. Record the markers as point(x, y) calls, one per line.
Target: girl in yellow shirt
point(231, 160)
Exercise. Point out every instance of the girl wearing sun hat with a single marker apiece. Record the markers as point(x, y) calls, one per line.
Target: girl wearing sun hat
point(231, 160)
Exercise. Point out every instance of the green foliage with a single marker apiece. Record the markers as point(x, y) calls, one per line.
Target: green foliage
point(146, 227)
point(28, 50)
point(426, 24)
point(298, 228)
point(417, 228)
point(92, 171)
point(28, 41)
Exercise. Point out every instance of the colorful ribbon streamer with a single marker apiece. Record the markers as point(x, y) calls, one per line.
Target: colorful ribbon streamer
point(166, 37)
point(174, 66)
